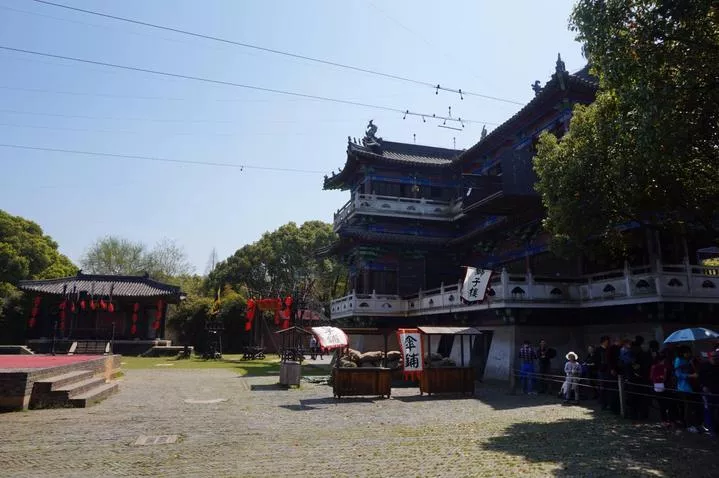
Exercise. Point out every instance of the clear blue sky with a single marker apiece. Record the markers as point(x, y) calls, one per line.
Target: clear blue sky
point(497, 48)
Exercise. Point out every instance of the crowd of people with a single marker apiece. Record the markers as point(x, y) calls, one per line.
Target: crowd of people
point(682, 386)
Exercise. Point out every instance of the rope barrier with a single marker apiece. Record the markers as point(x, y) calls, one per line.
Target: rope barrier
point(667, 394)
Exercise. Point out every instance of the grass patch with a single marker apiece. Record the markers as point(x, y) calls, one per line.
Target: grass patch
point(268, 366)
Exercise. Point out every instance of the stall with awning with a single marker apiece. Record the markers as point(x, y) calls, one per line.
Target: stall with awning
point(447, 359)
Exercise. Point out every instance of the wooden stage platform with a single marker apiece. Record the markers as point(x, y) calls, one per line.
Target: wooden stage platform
point(47, 381)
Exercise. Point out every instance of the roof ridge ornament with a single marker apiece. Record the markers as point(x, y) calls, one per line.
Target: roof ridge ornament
point(537, 87)
point(561, 73)
point(370, 139)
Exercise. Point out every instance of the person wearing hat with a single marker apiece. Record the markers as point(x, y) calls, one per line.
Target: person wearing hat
point(573, 371)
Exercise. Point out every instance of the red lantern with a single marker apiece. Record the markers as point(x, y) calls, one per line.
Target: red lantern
point(111, 307)
point(83, 305)
point(31, 322)
point(251, 306)
point(93, 306)
point(248, 326)
point(135, 309)
point(62, 306)
point(72, 307)
point(103, 304)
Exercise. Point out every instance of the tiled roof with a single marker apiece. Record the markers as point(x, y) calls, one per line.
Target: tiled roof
point(580, 80)
point(389, 152)
point(104, 285)
point(408, 153)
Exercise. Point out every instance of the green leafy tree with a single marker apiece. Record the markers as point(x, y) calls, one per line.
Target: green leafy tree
point(25, 253)
point(648, 148)
point(282, 262)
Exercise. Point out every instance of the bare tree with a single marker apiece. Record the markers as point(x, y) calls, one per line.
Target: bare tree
point(116, 255)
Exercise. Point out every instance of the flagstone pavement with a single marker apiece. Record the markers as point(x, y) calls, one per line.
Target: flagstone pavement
point(228, 426)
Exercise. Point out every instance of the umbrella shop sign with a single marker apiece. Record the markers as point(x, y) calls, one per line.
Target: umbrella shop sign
point(330, 337)
point(410, 342)
point(475, 284)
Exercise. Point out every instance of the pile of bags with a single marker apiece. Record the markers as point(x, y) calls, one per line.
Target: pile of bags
point(353, 358)
point(436, 360)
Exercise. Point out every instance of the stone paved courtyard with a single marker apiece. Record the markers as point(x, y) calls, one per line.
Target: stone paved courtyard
point(262, 431)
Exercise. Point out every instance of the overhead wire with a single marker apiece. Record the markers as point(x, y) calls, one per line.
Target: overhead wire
point(240, 85)
point(241, 167)
point(436, 86)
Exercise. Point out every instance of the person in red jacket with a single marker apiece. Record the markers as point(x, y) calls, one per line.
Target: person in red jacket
point(658, 376)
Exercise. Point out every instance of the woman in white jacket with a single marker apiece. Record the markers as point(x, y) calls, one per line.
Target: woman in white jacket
point(573, 371)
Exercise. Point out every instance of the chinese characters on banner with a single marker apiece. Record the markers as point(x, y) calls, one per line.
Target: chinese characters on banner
point(475, 284)
point(330, 337)
point(410, 342)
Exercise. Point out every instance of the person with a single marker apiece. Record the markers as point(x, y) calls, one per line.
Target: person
point(527, 356)
point(709, 382)
point(608, 357)
point(573, 372)
point(685, 373)
point(313, 348)
point(590, 368)
point(545, 355)
point(659, 377)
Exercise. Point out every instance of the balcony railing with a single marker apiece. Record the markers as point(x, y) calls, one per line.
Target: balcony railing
point(396, 206)
point(623, 286)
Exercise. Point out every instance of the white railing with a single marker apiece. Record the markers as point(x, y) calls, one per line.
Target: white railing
point(373, 204)
point(623, 286)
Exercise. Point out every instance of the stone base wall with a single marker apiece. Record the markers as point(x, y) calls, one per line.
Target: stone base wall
point(16, 386)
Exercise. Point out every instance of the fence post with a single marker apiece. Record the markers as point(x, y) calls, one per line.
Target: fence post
point(622, 396)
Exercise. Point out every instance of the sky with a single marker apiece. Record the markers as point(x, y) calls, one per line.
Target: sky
point(486, 47)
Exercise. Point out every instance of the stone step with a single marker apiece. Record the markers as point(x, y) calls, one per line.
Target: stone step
point(94, 395)
point(49, 384)
point(78, 388)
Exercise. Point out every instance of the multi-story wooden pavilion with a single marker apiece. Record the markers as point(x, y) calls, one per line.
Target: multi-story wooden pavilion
point(417, 214)
point(99, 307)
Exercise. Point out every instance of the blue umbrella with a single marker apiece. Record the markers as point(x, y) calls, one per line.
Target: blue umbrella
point(691, 335)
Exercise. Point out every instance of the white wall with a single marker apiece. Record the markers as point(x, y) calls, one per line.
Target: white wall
point(501, 352)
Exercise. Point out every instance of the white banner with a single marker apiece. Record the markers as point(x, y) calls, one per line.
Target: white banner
point(475, 284)
point(330, 337)
point(410, 341)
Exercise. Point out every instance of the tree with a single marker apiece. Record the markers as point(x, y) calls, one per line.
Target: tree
point(283, 261)
point(647, 149)
point(27, 253)
point(119, 256)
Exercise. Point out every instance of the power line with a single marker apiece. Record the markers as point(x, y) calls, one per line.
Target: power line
point(241, 167)
point(240, 85)
point(434, 86)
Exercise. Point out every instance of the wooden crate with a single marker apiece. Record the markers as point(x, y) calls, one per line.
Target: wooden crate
point(447, 380)
point(373, 381)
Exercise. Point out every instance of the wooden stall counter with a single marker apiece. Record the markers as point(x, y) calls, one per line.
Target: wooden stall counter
point(372, 381)
point(447, 380)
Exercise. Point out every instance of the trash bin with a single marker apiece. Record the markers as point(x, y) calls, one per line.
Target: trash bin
point(290, 373)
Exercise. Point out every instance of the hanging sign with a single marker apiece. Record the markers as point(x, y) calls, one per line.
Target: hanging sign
point(410, 343)
point(475, 284)
point(330, 337)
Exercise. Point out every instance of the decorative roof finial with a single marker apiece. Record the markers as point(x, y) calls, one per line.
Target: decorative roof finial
point(537, 87)
point(561, 73)
point(370, 138)
point(484, 133)
point(560, 65)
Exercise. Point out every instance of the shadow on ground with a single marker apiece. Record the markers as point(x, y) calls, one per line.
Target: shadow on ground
point(608, 446)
